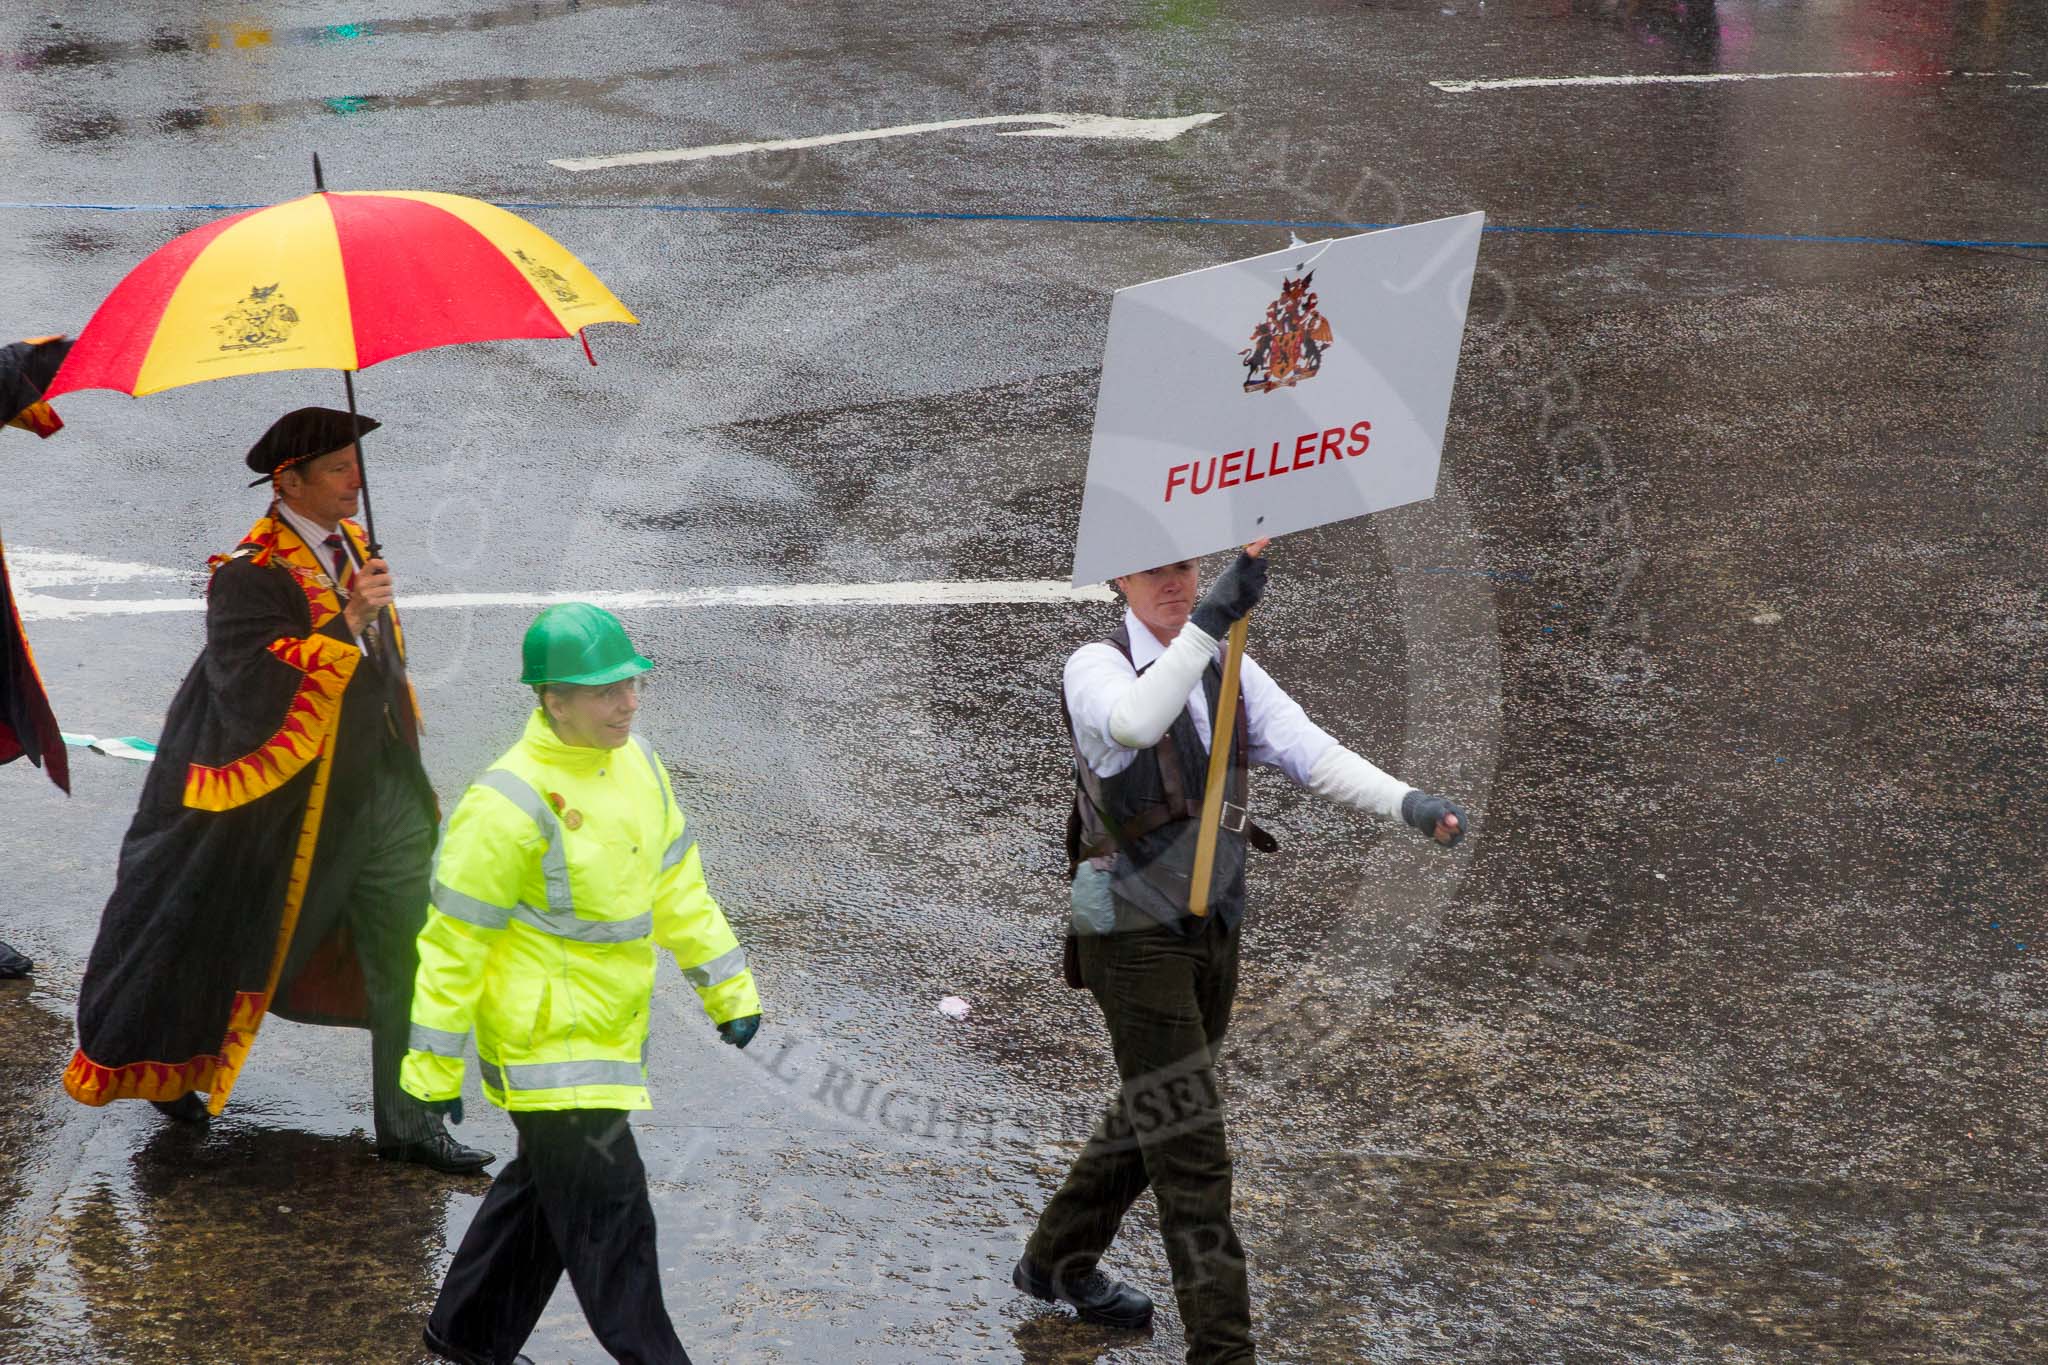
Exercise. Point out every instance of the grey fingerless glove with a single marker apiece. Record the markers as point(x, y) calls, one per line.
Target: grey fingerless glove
point(1231, 596)
point(1422, 812)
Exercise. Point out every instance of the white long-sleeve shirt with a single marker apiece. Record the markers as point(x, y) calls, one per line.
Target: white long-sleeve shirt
point(1117, 714)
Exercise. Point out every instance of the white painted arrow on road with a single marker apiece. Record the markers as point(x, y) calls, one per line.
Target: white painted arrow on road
point(1062, 125)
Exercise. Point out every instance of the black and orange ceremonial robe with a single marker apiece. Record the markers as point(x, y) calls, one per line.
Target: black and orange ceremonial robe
point(262, 744)
point(27, 725)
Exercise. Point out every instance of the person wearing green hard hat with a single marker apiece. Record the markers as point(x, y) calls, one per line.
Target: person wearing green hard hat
point(562, 869)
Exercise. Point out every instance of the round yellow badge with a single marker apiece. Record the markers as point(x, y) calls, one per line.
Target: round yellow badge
point(573, 819)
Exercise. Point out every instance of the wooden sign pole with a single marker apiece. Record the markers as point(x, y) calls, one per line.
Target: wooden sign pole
point(1221, 726)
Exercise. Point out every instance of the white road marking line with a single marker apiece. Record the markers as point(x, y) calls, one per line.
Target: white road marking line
point(1064, 125)
point(1711, 78)
point(967, 593)
point(31, 569)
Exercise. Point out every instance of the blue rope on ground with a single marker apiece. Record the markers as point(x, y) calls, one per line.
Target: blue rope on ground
point(1163, 220)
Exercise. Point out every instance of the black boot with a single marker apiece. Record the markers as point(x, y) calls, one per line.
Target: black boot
point(1095, 1296)
point(187, 1108)
point(441, 1151)
point(13, 964)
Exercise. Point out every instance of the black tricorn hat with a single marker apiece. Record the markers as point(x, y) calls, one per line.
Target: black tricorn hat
point(304, 435)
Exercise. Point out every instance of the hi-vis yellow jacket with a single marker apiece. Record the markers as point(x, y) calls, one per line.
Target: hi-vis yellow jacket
point(561, 869)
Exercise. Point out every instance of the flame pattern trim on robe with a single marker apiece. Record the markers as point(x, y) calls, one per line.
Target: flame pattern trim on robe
point(327, 665)
point(90, 1083)
point(309, 723)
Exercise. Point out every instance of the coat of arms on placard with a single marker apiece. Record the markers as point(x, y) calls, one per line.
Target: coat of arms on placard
point(1288, 346)
point(262, 319)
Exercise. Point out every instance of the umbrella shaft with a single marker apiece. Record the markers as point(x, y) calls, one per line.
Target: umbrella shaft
point(388, 645)
point(348, 382)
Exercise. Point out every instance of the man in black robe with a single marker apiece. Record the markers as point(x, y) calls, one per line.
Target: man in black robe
point(28, 728)
point(280, 859)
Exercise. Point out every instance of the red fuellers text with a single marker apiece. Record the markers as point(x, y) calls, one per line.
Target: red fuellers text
point(1255, 463)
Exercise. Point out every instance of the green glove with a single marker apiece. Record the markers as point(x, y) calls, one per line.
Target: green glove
point(739, 1032)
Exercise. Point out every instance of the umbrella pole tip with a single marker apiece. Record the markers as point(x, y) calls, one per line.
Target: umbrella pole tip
point(319, 180)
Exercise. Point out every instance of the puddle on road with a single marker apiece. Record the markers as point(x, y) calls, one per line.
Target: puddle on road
point(34, 1040)
point(458, 94)
point(128, 1238)
point(260, 1243)
point(62, 50)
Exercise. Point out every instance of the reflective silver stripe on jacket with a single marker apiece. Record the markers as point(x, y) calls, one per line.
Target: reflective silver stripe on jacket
point(560, 1075)
point(554, 864)
point(560, 918)
point(719, 969)
point(573, 926)
point(680, 848)
point(439, 1041)
point(469, 909)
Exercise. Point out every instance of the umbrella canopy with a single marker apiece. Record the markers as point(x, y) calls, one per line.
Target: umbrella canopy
point(26, 369)
point(336, 280)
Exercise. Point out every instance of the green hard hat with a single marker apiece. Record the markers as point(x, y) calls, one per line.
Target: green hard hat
point(574, 642)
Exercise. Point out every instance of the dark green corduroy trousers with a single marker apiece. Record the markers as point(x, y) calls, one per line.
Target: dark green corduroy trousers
point(1166, 998)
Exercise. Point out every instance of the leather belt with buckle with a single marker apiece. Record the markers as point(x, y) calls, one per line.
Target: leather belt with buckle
point(1234, 817)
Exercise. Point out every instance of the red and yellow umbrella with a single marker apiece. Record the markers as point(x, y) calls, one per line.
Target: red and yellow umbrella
point(336, 280)
point(339, 280)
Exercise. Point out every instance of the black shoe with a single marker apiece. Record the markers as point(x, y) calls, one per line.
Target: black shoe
point(1095, 1296)
point(13, 964)
point(441, 1151)
point(461, 1357)
point(187, 1108)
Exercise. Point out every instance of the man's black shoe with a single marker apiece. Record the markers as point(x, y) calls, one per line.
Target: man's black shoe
point(458, 1355)
point(1095, 1296)
point(441, 1151)
point(13, 964)
point(187, 1108)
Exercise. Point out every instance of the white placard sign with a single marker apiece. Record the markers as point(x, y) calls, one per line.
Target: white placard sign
point(1274, 394)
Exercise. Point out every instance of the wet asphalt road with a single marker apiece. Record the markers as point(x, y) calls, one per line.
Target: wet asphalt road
point(1721, 1040)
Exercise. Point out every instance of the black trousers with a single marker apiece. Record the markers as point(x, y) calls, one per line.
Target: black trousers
point(1166, 999)
point(575, 1199)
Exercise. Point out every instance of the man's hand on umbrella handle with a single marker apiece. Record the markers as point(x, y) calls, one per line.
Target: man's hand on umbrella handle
point(370, 595)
